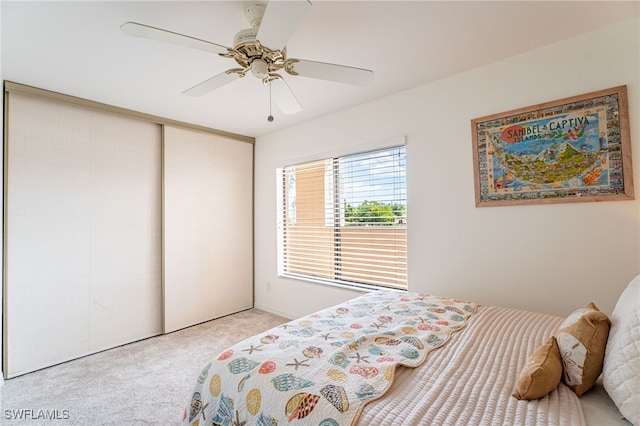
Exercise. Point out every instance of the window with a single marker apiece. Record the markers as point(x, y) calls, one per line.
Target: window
point(344, 220)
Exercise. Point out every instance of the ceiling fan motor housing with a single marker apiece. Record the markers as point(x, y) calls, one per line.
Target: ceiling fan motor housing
point(245, 41)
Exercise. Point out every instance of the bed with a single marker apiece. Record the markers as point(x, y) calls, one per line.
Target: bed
point(402, 358)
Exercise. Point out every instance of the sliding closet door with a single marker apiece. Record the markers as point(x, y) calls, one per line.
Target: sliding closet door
point(83, 232)
point(208, 227)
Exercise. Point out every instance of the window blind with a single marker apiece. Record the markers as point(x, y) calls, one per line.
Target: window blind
point(344, 220)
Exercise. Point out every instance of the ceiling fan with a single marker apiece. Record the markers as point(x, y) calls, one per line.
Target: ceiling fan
point(260, 49)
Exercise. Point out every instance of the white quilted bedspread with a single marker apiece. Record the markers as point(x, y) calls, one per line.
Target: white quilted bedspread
point(470, 381)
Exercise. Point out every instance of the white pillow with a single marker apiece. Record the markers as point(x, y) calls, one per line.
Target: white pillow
point(621, 370)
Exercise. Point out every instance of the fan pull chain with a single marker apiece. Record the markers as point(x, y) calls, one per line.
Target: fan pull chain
point(270, 117)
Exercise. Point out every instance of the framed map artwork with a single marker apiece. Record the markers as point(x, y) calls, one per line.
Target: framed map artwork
point(571, 150)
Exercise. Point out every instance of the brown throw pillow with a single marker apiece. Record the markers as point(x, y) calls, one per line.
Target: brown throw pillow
point(542, 372)
point(582, 339)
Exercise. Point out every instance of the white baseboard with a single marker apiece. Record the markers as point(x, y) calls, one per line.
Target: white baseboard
point(287, 315)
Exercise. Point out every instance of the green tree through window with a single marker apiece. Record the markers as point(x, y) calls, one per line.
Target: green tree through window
point(374, 213)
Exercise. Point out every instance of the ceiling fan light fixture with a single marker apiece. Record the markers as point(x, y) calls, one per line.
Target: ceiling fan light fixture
point(259, 68)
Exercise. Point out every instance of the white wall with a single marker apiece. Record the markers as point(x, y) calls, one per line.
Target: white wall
point(549, 258)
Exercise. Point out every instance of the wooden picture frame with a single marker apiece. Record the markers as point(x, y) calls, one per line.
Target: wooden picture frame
point(575, 149)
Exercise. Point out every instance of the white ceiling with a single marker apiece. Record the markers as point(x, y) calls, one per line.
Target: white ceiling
point(77, 48)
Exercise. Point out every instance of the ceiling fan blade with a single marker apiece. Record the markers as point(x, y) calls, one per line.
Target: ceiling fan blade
point(215, 82)
point(284, 97)
point(331, 72)
point(145, 31)
point(280, 21)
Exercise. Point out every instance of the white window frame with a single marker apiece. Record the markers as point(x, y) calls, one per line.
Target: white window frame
point(369, 147)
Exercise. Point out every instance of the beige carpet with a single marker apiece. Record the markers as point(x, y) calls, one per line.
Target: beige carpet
point(143, 383)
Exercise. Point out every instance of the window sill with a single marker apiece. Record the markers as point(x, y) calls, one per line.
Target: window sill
point(364, 288)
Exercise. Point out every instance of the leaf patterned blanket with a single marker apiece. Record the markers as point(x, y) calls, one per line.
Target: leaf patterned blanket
point(323, 368)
